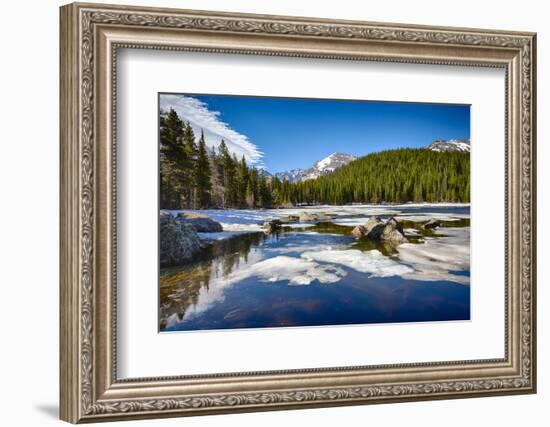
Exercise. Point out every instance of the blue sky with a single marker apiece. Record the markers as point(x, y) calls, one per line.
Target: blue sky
point(285, 133)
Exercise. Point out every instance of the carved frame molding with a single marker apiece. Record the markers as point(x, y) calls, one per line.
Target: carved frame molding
point(90, 37)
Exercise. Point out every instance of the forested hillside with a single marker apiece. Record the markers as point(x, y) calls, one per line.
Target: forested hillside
point(401, 175)
point(193, 176)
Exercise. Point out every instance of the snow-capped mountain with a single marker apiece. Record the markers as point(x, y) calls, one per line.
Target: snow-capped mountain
point(263, 172)
point(322, 167)
point(450, 145)
point(327, 165)
point(292, 175)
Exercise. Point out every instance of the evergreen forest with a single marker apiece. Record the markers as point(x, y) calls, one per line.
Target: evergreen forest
point(195, 176)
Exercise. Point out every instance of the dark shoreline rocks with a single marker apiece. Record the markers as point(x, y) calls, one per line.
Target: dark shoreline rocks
point(179, 241)
point(201, 222)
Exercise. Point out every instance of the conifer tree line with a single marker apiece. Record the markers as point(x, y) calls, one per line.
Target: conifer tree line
point(393, 176)
point(195, 176)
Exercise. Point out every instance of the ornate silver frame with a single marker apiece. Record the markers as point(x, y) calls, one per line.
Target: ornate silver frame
point(90, 36)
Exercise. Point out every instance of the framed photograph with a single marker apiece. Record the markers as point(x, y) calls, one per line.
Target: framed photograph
point(266, 212)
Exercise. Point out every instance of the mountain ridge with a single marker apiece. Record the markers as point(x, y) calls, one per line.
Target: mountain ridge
point(320, 168)
point(440, 145)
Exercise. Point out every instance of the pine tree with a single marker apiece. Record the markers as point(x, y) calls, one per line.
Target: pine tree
point(252, 189)
point(189, 193)
point(242, 182)
point(171, 154)
point(264, 192)
point(225, 168)
point(202, 174)
point(216, 179)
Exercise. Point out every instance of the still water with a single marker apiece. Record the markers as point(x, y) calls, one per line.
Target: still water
point(316, 273)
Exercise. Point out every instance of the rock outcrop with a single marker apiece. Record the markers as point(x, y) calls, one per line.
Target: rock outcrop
point(179, 241)
point(272, 225)
point(200, 222)
point(377, 230)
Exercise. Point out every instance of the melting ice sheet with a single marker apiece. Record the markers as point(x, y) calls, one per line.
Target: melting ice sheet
point(438, 257)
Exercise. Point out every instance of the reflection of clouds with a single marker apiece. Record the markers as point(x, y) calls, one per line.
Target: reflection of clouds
point(437, 257)
point(296, 271)
point(218, 284)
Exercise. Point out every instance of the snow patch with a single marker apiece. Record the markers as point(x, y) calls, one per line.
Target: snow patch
point(297, 271)
point(372, 262)
point(241, 227)
point(436, 258)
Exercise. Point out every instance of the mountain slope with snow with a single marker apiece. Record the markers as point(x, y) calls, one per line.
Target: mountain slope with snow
point(322, 167)
point(440, 145)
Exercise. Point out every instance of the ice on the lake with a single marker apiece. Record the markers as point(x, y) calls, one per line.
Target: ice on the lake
point(241, 227)
point(426, 216)
point(411, 231)
point(372, 262)
point(438, 257)
point(297, 271)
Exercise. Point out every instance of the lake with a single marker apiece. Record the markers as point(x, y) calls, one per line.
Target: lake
point(315, 273)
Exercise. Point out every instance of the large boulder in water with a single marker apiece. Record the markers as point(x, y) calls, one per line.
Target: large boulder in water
point(393, 232)
point(179, 241)
point(377, 230)
point(200, 222)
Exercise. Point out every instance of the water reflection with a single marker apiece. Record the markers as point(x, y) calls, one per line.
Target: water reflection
point(253, 279)
point(181, 287)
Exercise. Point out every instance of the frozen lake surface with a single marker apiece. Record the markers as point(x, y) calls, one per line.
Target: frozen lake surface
point(316, 273)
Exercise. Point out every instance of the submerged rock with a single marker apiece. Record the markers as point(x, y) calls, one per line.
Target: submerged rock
point(431, 224)
point(200, 222)
point(179, 241)
point(272, 225)
point(377, 230)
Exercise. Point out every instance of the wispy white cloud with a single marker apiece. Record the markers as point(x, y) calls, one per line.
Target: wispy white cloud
point(197, 113)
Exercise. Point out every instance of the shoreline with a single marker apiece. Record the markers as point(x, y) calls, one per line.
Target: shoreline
point(365, 205)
